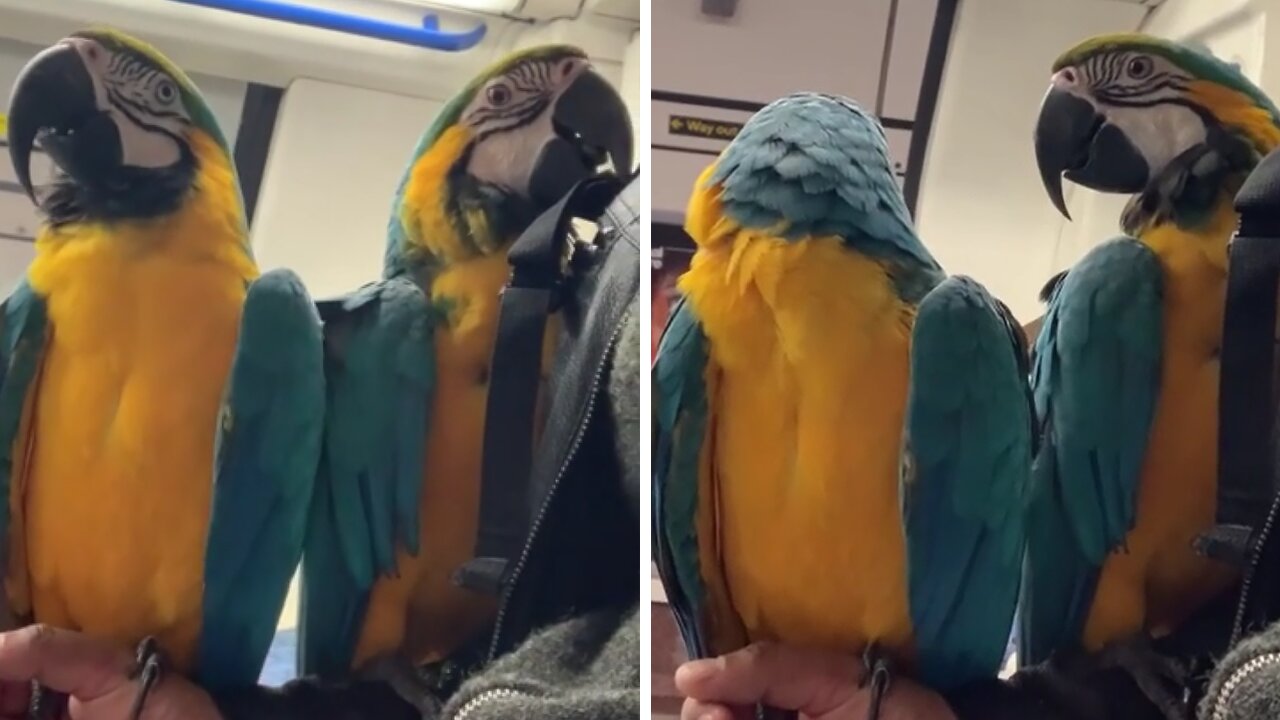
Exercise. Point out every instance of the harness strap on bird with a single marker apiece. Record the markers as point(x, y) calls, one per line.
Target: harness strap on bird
point(531, 294)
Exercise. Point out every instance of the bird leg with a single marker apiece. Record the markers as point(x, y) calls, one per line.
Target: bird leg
point(148, 667)
point(406, 680)
point(879, 676)
point(45, 703)
point(1162, 679)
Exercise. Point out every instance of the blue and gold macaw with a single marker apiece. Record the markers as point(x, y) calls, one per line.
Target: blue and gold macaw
point(1125, 375)
point(408, 362)
point(842, 434)
point(161, 403)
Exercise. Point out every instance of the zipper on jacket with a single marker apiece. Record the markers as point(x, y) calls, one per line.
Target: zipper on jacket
point(1237, 626)
point(474, 703)
point(1229, 688)
point(555, 485)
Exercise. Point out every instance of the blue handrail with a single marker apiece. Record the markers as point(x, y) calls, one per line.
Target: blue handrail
point(429, 35)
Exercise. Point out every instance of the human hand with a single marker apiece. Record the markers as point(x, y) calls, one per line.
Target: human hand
point(819, 685)
point(93, 673)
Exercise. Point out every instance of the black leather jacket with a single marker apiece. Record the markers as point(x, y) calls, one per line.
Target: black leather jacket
point(580, 555)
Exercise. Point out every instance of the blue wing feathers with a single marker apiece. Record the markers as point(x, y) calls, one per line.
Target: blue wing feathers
point(968, 455)
point(1096, 381)
point(266, 453)
point(1058, 584)
point(23, 325)
point(680, 411)
point(331, 605)
point(380, 369)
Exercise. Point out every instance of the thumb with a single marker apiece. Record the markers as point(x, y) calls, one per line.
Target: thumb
point(64, 661)
point(784, 677)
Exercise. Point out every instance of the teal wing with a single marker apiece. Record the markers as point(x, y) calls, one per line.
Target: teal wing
point(680, 419)
point(967, 463)
point(267, 450)
point(1095, 379)
point(23, 332)
point(380, 366)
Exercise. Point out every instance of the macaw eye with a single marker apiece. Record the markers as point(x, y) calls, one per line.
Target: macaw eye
point(498, 95)
point(1139, 67)
point(165, 92)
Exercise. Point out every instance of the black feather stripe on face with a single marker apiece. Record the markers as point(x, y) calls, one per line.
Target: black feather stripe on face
point(513, 118)
point(528, 86)
point(1109, 76)
point(140, 114)
point(133, 83)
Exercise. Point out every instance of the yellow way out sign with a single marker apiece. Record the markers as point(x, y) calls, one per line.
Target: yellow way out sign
point(703, 127)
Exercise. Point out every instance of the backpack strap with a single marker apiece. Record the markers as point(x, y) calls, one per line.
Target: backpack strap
point(1246, 407)
point(537, 275)
point(1247, 472)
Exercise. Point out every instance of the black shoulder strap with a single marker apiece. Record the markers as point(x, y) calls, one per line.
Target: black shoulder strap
point(537, 273)
point(1246, 410)
point(1247, 405)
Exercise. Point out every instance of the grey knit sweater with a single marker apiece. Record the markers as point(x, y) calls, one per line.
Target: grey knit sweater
point(587, 668)
point(1246, 683)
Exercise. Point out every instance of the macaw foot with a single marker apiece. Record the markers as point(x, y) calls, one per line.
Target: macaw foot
point(1161, 678)
point(404, 677)
point(46, 704)
point(148, 668)
point(879, 676)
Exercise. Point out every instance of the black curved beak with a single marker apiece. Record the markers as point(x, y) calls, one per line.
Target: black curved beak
point(592, 125)
point(1075, 141)
point(54, 101)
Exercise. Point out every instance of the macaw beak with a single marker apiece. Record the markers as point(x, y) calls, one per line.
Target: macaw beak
point(592, 125)
point(55, 101)
point(1073, 139)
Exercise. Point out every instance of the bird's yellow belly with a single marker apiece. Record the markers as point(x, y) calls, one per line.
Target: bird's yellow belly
point(421, 612)
point(117, 490)
point(808, 415)
point(811, 528)
point(1157, 579)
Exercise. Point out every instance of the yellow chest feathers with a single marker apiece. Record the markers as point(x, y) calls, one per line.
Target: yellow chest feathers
point(144, 319)
point(143, 287)
point(1195, 276)
point(814, 302)
point(810, 343)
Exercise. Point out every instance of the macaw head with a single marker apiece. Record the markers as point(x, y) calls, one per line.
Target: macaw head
point(127, 129)
point(805, 165)
point(1121, 107)
point(507, 147)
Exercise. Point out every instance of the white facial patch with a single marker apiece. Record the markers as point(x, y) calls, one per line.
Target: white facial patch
point(1160, 132)
point(145, 148)
point(503, 158)
point(143, 102)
